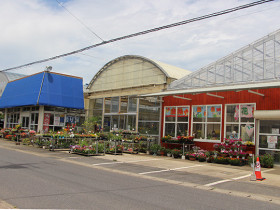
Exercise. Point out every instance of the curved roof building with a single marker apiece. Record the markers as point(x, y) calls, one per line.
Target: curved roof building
point(132, 71)
point(111, 93)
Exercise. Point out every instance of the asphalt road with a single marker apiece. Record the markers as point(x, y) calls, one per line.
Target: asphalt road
point(30, 181)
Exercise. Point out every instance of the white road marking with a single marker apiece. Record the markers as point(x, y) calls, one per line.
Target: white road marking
point(232, 179)
point(218, 182)
point(241, 177)
point(117, 162)
point(151, 172)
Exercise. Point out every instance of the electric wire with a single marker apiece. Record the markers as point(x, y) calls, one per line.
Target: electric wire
point(60, 4)
point(223, 12)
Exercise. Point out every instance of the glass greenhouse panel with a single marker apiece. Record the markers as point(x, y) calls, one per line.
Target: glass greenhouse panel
point(256, 62)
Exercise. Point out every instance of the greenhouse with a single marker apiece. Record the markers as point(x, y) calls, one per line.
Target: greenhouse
point(112, 94)
point(236, 97)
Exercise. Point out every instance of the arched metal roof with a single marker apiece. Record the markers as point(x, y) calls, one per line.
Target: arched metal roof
point(168, 70)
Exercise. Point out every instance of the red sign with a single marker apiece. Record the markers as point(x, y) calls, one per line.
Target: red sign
point(46, 123)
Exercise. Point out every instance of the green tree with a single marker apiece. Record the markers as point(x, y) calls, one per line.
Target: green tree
point(92, 124)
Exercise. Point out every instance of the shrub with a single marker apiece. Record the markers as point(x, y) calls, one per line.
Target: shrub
point(267, 161)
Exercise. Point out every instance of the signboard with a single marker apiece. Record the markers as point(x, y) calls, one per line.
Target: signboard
point(61, 122)
point(56, 120)
point(214, 111)
point(199, 111)
point(70, 119)
point(247, 111)
point(183, 112)
point(46, 122)
point(170, 112)
point(271, 141)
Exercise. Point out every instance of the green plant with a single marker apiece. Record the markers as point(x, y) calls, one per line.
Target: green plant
point(201, 157)
point(176, 153)
point(267, 161)
point(26, 141)
point(168, 151)
point(92, 124)
point(235, 161)
point(162, 149)
point(155, 148)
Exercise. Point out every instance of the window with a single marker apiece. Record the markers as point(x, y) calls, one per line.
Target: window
point(132, 104)
point(97, 108)
point(115, 104)
point(206, 123)
point(12, 120)
point(124, 103)
point(149, 115)
point(34, 121)
point(269, 138)
point(176, 121)
point(240, 122)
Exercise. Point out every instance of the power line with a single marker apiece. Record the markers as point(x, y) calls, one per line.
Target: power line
point(146, 32)
point(79, 21)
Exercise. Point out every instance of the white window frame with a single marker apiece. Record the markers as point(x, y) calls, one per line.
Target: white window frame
point(239, 123)
point(266, 134)
point(206, 122)
point(176, 116)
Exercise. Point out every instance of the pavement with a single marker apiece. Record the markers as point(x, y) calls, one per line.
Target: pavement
point(227, 179)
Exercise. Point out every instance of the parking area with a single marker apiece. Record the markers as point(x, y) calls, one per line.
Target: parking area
point(227, 178)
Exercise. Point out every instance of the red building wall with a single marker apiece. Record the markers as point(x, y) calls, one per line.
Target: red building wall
point(271, 101)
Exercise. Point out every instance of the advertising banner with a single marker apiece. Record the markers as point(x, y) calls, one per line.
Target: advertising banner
point(183, 112)
point(199, 111)
point(46, 122)
point(170, 111)
point(214, 111)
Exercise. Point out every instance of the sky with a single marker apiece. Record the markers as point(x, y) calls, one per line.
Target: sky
point(33, 30)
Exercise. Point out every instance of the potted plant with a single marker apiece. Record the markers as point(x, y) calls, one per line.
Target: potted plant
point(168, 152)
point(235, 162)
point(155, 148)
point(175, 153)
point(192, 157)
point(162, 151)
point(242, 155)
point(201, 157)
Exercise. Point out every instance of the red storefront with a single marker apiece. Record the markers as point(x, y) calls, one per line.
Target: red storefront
point(211, 114)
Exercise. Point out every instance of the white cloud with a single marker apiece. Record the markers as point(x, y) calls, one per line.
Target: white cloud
point(38, 29)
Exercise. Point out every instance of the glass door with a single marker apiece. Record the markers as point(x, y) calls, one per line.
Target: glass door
point(25, 122)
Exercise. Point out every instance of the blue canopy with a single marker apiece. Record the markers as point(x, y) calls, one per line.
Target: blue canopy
point(57, 90)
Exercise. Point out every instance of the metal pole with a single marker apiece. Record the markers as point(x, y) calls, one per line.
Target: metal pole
point(41, 87)
point(183, 155)
point(253, 176)
point(115, 147)
point(96, 147)
point(104, 147)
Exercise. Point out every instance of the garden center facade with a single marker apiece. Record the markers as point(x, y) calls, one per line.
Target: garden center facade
point(234, 97)
point(113, 94)
point(43, 102)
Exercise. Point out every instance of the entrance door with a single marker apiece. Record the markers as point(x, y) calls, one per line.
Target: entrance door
point(25, 122)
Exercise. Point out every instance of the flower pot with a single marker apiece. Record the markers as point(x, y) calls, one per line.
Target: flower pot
point(168, 154)
point(192, 158)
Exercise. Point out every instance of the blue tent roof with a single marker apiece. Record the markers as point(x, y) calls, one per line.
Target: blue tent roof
point(57, 90)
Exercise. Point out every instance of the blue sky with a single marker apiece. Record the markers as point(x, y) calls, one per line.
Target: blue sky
point(38, 29)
